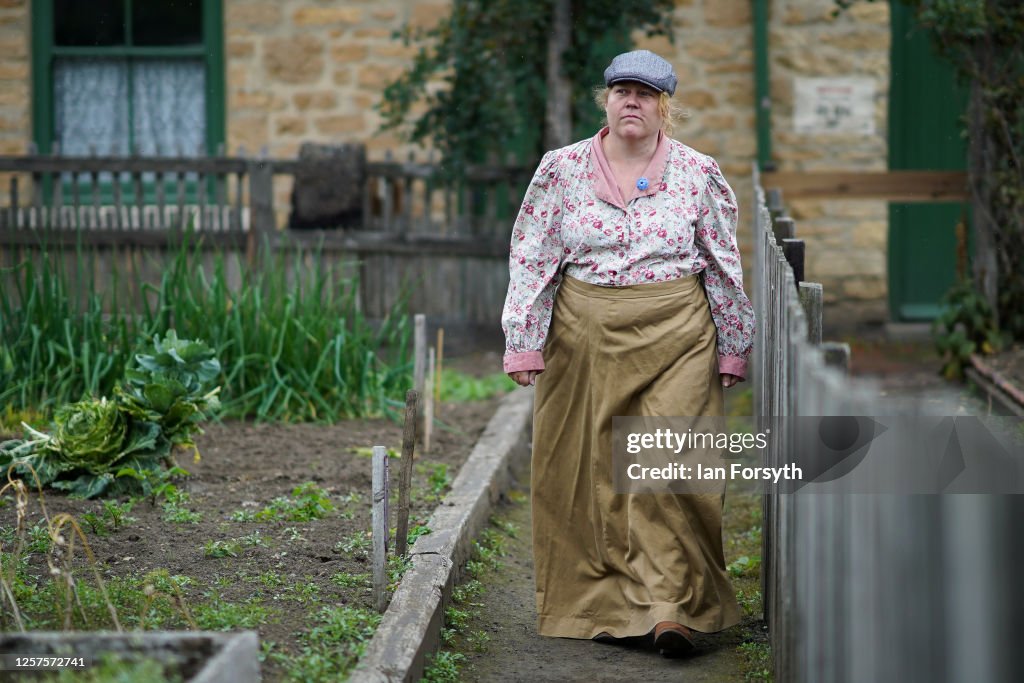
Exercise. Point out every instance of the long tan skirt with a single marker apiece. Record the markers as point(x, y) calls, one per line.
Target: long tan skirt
point(621, 563)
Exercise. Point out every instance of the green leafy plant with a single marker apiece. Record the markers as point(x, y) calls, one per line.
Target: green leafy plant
point(348, 580)
point(460, 387)
point(229, 548)
point(332, 647)
point(306, 503)
point(170, 388)
point(358, 543)
point(743, 565)
point(966, 327)
point(443, 667)
point(122, 445)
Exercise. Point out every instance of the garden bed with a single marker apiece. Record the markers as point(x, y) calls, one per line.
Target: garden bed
point(238, 558)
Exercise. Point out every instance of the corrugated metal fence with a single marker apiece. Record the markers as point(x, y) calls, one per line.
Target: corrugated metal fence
point(872, 587)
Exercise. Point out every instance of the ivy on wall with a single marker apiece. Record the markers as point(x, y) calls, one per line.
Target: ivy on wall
point(477, 86)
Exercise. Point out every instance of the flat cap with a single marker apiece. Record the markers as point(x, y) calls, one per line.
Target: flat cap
point(645, 67)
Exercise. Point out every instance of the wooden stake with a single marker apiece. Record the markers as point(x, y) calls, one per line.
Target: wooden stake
point(437, 377)
point(380, 526)
point(419, 368)
point(405, 480)
point(428, 409)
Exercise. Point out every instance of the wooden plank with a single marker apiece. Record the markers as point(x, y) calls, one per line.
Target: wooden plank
point(156, 239)
point(419, 366)
point(893, 186)
point(113, 164)
point(380, 526)
point(405, 478)
point(811, 298)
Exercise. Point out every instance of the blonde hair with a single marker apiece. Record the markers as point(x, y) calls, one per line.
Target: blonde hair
point(670, 111)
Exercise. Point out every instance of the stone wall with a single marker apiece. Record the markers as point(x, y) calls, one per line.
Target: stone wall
point(15, 103)
point(313, 70)
point(714, 57)
point(301, 71)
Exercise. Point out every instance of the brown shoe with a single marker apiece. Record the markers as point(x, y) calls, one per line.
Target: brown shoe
point(672, 639)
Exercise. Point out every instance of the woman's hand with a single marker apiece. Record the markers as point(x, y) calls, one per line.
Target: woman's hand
point(524, 378)
point(727, 379)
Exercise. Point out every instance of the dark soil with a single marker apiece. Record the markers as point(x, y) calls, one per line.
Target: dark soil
point(243, 468)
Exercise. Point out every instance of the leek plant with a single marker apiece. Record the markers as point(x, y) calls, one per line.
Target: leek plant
point(292, 341)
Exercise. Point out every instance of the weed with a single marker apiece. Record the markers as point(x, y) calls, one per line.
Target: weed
point(456, 618)
point(358, 543)
point(174, 507)
point(510, 529)
point(229, 548)
point(113, 669)
point(757, 657)
point(294, 534)
point(217, 615)
point(40, 540)
point(332, 647)
point(448, 636)
point(465, 592)
point(271, 579)
point(439, 480)
point(478, 640)
point(95, 524)
point(396, 568)
point(750, 602)
point(416, 531)
point(744, 565)
point(306, 503)
point(253, 539)
point(347, 580)
point(460, 387)
point(117, 513)
point(443, 668)
point(302, 593)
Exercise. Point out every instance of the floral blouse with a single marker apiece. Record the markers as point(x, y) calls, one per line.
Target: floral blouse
point(575, 222)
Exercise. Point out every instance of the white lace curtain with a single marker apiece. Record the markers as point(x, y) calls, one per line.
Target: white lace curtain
point(166, 116)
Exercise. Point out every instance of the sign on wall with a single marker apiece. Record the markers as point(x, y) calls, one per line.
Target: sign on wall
point(834, 105)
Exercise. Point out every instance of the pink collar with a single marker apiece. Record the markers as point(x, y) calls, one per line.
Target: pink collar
point(605, 186)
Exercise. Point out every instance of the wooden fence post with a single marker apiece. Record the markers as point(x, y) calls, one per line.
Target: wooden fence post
point(811, 298)
point(405, 481)
point(794, 251)
point(380, 526)
point(419, 366)
point(837, 355)
point(428, 408)
point(773, 200)
point(261, 205)
point(784, 228)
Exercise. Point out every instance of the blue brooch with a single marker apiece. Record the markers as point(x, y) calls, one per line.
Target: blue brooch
point(642, 184)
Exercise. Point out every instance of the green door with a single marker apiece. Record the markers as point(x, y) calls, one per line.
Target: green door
point(926, 109)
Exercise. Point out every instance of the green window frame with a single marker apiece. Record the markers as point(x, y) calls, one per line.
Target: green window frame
point(45, 52)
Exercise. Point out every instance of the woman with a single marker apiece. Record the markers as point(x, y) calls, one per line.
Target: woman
point(636, 233)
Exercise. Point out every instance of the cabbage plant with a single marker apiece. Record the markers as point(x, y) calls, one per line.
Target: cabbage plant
point(124, 444)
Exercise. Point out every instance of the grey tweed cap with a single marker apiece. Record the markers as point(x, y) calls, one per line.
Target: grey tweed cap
point(645, 67)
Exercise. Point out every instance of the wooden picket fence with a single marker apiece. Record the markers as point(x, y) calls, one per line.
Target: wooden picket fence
point(868, 587)
point(445, 246)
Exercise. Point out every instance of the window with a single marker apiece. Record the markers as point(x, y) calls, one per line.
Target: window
point(121, 76)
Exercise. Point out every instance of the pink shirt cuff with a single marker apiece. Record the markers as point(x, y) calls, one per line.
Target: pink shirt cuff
point(732, 365)
point(523, 361)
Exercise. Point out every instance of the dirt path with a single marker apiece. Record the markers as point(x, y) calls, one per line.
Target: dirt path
point(506, 613)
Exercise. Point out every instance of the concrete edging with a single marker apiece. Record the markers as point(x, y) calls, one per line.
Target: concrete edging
point(203, 656)
point(411, 625)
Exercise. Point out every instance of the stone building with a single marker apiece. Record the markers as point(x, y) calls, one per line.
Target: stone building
point(272, 74)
